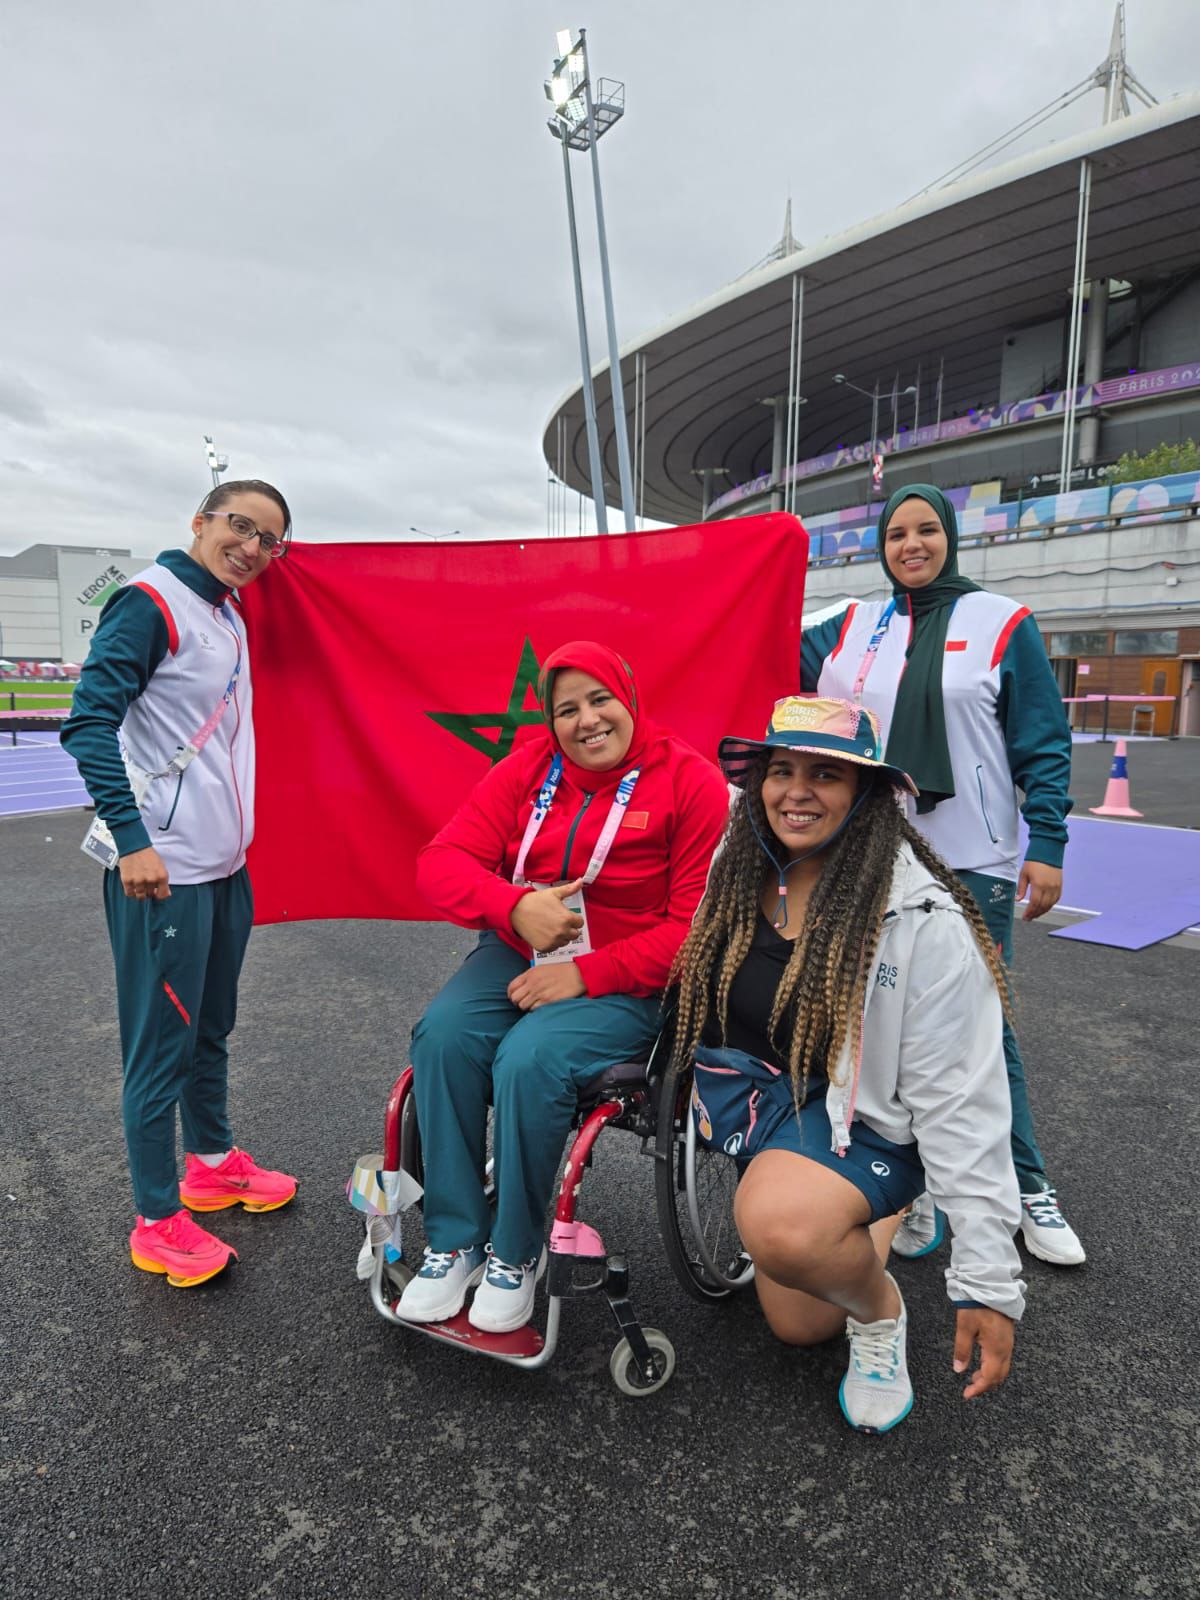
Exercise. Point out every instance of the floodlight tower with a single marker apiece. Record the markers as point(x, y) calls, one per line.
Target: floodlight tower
point(217, 464)
point(580, 120)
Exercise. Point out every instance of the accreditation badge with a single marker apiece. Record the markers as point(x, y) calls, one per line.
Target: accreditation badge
point(580, 945)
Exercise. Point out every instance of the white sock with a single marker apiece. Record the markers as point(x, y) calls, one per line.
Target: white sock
point(214, 1161)
point(148, 1222)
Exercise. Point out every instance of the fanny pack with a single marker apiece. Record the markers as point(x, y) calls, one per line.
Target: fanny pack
point(738, 1101)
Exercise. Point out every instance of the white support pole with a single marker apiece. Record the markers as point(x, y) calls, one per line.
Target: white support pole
point(596, 466)
point(792, 430)
point(620, 422)
point(1076, 327)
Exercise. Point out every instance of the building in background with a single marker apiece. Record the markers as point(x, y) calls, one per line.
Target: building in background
point(936, 343)
point(51, 597)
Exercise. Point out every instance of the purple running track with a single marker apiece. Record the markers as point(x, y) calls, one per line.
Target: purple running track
point(36, 774)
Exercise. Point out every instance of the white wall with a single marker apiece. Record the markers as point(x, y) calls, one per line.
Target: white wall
point(29, 625)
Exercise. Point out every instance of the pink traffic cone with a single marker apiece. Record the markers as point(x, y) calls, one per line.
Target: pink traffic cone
point(1116, 795)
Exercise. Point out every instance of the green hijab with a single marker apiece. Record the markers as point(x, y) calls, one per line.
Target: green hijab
point(917, 742)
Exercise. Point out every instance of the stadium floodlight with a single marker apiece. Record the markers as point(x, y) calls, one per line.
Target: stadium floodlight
point(580, 120)
point(217, 464)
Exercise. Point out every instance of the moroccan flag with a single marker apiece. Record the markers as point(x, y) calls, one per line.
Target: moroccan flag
point(388, 677)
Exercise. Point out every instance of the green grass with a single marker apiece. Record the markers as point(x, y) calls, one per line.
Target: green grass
point(31, 695)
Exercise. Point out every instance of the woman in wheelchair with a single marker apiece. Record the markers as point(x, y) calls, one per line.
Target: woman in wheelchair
point(581, 858)
point(841, 1000)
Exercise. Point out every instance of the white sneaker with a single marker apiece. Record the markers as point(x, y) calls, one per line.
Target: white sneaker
point(504, 1300)
point(440, 1287)
point(1048, 1235)
point(876, 1394)
point(922, 1230)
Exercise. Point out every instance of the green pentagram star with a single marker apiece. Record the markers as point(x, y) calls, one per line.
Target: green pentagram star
point(465, 726)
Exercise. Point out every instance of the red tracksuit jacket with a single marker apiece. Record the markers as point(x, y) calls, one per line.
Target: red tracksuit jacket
point(642, 904)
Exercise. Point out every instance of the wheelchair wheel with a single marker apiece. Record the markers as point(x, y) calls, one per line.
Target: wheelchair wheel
point(624, 1368)
point(695, 1188)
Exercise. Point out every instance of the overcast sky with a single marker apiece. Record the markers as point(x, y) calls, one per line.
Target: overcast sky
point(333, 234)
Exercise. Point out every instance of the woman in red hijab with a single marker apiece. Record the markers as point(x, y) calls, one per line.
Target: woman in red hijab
point(581, 858)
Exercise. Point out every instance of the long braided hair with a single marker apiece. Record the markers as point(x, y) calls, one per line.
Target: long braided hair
point(819, 1002)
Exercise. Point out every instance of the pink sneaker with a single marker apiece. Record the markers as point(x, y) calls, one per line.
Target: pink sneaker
point(177, 1246)
point(237, 1181)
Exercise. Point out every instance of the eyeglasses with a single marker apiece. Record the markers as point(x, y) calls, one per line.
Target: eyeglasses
point(242, 528)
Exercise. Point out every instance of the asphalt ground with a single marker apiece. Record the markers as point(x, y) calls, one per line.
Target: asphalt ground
point(269, 1435)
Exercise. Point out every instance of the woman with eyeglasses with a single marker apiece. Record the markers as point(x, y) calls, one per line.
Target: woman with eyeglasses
point(161, 729)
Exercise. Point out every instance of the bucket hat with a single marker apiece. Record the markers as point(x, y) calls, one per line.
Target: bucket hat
point(817, 726)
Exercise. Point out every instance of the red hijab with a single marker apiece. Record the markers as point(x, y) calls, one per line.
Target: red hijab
point(615, 673)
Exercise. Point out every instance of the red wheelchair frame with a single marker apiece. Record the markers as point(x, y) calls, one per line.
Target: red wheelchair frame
point(578, 1261)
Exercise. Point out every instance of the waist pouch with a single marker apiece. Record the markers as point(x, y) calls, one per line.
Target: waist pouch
point(738, 1101)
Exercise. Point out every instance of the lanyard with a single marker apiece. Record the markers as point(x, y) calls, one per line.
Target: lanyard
point(545, 799)
point(872, 650)
point(188, 752)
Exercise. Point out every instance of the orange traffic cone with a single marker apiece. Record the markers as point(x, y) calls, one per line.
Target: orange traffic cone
point(1116, 795)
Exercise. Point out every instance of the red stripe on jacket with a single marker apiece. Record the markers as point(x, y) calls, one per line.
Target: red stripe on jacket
point(850, 610)
point(1006, 634)
point(172, 630)
point(639, 908)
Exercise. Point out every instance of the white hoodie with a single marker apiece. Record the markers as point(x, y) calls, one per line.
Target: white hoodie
point(932, 1070)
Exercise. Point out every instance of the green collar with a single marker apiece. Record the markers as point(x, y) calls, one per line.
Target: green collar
point(197, 578)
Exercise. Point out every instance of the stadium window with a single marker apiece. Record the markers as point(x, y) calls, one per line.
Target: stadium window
point(1079, 644)
point(1153, 642)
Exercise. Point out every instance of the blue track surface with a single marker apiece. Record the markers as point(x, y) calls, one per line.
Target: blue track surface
point(37, 775)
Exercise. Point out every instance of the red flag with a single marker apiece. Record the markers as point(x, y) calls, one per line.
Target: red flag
point(387, 678)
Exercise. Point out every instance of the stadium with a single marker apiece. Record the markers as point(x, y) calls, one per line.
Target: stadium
point(1040, 314)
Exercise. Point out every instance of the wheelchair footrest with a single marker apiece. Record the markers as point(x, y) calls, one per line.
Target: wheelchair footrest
point(526, 1341)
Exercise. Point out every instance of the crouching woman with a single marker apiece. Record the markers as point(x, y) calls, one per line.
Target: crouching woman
point(842, 1002)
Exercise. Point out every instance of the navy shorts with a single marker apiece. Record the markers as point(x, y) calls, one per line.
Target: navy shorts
point(744, 1106)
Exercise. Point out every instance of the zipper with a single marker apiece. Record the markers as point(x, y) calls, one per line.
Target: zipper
point(983, 803)
point(219, 616)
point(163, 826)
point(566, 874)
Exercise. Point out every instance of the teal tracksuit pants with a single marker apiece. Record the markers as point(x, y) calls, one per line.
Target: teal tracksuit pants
point(472, 1047)
point(177, 964)
point(996, 898)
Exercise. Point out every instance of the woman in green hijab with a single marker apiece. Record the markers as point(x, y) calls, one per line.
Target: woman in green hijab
point(959, 679)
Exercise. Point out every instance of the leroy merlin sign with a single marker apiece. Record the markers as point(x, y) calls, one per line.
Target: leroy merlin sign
point(86, 579)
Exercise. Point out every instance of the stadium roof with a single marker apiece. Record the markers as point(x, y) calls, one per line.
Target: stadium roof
point(944, 276)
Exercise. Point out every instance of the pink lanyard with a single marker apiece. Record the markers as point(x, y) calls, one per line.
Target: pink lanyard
point(545, 799)
point(872, 650)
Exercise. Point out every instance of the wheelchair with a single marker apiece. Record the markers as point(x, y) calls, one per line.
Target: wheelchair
point(694, 1191)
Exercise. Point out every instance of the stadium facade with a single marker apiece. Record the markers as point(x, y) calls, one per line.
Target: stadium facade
point(51, 596)
point(948, 323)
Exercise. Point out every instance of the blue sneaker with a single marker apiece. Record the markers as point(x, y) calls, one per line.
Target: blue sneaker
point(440, 1287)
point(922, 1230)
point(504, 1300)
point(876, 1392)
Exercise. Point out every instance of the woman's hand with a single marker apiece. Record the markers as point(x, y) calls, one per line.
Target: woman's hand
point(1044, 884)
point(542, 986)
point(992, 1331)
point(144, 875)
point(543, 921)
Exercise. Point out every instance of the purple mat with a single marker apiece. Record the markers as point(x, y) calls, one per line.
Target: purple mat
point(1141, 883)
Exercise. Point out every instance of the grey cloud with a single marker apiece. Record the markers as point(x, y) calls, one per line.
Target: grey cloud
point(334, 237)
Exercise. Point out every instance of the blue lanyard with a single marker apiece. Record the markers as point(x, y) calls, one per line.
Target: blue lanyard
point(868, 660)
